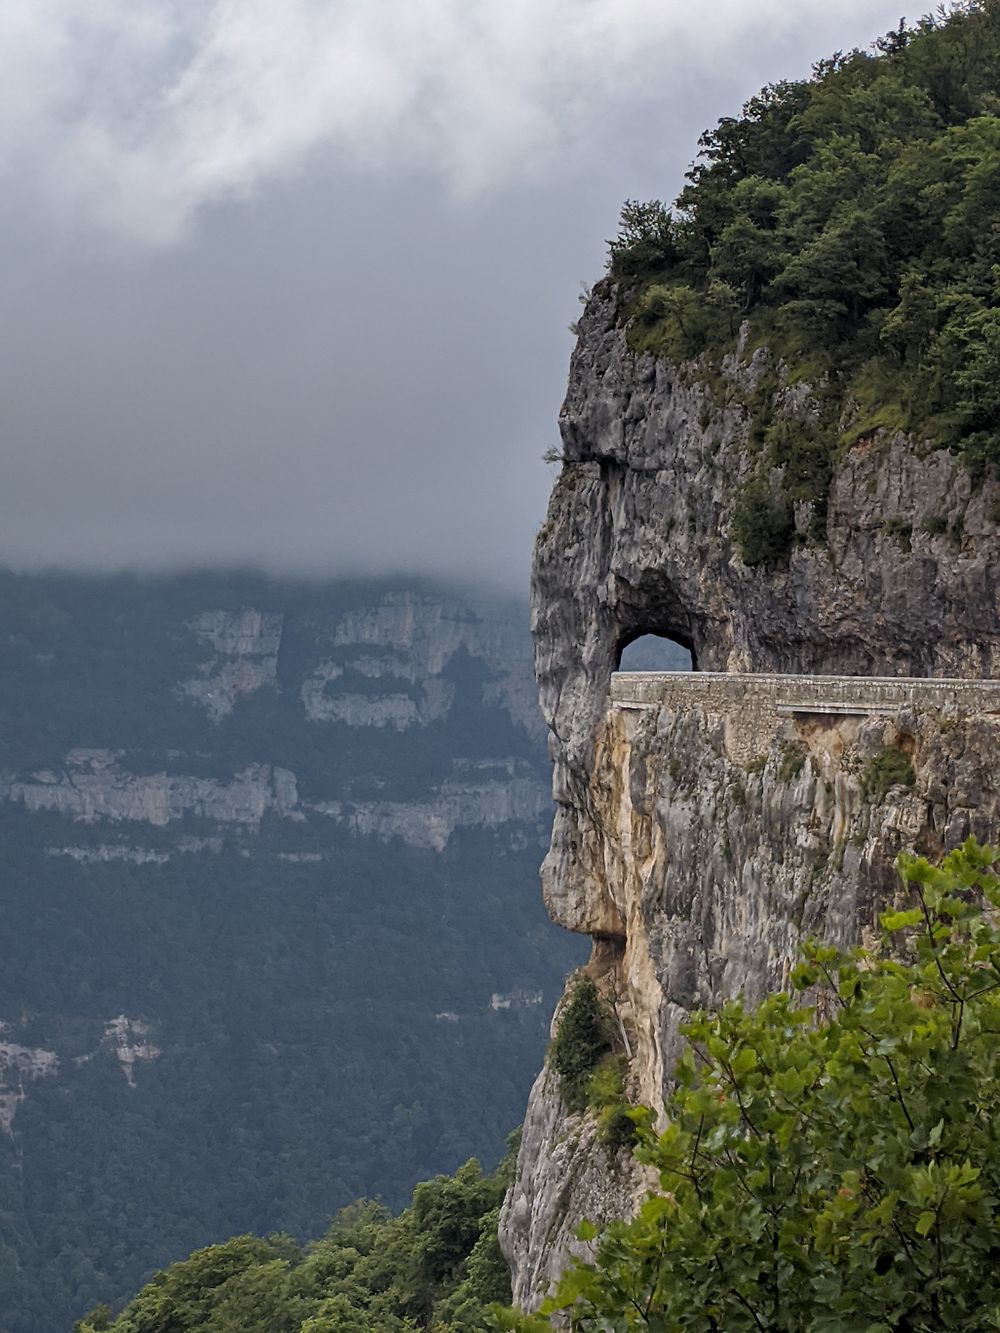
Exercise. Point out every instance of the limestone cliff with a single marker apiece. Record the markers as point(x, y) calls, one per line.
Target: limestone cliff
point(93, 787)
point(403, 639)
point(695, 842)
point(391, 668)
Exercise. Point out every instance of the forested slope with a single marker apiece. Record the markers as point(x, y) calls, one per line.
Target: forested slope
point(436, 1265)
point(271, 938)
point(852, 220)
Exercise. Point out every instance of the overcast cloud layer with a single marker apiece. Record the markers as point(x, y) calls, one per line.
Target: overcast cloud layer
point(287, 281)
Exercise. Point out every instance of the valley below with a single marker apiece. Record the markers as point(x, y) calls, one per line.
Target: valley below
point(239, 818)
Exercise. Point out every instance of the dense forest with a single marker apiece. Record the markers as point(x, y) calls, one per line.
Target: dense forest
point(218, 1026)
point(850, 222)
point(435, 1266)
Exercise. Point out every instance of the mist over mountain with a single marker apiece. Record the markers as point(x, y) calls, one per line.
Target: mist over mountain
point(290, 287)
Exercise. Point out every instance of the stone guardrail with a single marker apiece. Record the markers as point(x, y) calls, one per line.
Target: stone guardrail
point(857, 695)
point(756, 704)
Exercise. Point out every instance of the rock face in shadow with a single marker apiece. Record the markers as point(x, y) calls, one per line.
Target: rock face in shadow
point(697, 870)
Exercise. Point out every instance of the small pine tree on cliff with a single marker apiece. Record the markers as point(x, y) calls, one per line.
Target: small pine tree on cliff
point(583, 1038)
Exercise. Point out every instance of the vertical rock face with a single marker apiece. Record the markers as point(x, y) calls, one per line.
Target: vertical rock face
point(401, 662)
point(245, 645)
point(696, 867)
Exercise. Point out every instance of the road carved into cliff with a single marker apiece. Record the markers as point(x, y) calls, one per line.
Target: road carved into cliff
point(757, 701)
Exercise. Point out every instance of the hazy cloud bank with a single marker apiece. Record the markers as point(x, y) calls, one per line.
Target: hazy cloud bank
point(140, 114)
point(288, 282)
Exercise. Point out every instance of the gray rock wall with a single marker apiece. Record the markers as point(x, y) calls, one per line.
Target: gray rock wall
point(700, 838)
point(401, 646)
point(100, 790)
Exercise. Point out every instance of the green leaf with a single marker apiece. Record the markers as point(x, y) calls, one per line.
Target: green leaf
point(744, 1061)
point(893, 921)
point(801, 1192)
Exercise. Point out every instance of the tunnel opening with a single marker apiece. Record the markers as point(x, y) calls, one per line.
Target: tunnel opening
point(650, 650)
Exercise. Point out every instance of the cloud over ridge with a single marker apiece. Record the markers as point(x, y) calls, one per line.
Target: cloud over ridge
point(138, 116)
point(287, 282)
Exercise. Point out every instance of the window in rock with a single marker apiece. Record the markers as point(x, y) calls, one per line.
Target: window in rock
point(655, 652)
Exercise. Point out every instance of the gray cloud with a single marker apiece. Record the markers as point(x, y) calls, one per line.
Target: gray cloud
point(287, 281)
point(144, 114)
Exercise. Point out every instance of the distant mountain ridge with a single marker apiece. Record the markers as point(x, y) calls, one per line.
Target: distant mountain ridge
point(238, 816)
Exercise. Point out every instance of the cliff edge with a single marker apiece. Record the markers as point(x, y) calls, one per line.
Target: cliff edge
point(695, 859)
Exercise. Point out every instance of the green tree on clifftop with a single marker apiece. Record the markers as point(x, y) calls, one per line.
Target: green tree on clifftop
point(855, 218)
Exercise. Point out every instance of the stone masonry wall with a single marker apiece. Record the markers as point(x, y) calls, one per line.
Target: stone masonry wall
point(756, 704)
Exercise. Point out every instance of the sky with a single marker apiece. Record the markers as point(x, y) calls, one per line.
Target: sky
point(288, 283)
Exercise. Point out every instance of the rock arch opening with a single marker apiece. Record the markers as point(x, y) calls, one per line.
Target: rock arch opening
point(650, 650)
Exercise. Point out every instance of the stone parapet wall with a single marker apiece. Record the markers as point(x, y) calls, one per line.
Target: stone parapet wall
point(854, 694)
point(755, 705)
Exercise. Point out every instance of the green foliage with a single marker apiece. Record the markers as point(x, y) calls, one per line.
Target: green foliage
point(583, 1038)
point(645, 238)
point(238, 1287)
point(98, 1321)
point(795, 450)
point(487, 1282)
point(853, 219)
point(591, 1072)
point(606, 1082)
point(763, 523)
point(618, 1129)
point(889, 768)
point(793, 757)
point(437, 1266)
point(837, 1175)
point(606, 1097)
point(671, 321)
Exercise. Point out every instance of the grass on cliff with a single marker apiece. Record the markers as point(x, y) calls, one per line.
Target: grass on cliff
point(891, 767)
point(853, 219)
